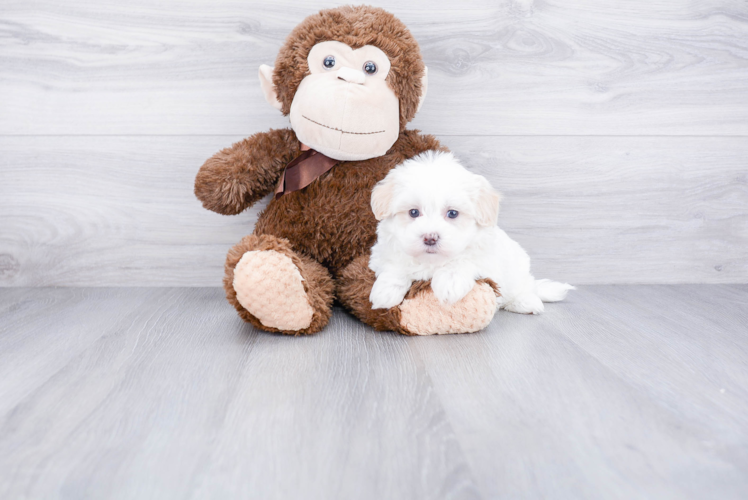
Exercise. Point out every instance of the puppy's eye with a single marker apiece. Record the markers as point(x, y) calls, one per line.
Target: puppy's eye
point(414, 213)
point(329, 62)
point(452, 214)
point(370, 67)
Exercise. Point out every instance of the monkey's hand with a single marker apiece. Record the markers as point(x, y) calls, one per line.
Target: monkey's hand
point(236, 177)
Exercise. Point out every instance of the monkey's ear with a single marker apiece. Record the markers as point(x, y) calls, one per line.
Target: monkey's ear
point(266, 82)
point(381, 198)
point(424, 87)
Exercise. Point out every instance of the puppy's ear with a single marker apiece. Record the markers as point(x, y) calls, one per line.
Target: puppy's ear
point(381, 198)
point(487, 203)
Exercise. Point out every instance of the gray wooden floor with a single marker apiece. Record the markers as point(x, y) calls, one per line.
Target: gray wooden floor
point(620, 392)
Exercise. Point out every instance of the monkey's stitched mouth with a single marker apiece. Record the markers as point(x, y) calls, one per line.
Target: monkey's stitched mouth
point(343, 131)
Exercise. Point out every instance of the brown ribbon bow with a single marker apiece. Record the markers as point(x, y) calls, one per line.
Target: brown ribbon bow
point(303, 170)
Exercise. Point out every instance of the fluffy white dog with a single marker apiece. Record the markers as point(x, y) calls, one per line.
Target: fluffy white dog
point(437, 221)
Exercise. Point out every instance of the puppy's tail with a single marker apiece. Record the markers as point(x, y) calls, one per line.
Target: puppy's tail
point(551, 291)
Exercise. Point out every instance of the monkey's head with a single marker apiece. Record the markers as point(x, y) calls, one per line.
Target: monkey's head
point(350, 78)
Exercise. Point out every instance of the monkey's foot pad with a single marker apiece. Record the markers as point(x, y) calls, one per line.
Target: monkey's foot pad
point(425, 315)
point(270, 287)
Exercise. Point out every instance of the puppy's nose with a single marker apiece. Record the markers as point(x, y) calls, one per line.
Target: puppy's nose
point(430, 239)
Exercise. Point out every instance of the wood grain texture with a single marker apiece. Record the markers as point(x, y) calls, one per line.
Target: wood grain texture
point(619, 209)
point(619, 392)
point(120, 211)
point(511, 67)
point(606, 387)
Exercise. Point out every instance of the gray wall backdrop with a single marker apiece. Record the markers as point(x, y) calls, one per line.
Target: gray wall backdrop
point(617, 131)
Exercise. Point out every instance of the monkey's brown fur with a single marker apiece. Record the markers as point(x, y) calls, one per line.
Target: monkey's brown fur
point(331, 219)
point(327, 228)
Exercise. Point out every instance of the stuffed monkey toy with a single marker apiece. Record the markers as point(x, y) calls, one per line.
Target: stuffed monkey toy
point(349, 79)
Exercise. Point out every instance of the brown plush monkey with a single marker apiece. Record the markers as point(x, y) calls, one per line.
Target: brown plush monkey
point(350, 79)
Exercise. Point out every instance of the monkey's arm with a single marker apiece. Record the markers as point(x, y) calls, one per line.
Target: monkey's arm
point(236, 177)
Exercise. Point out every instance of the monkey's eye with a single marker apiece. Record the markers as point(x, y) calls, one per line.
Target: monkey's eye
point(370, 67)
point(414, 213)
point(452, 214)
point(329, 62)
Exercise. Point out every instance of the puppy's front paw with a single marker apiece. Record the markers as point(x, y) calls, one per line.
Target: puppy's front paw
point(387, 293)
point(449, 286)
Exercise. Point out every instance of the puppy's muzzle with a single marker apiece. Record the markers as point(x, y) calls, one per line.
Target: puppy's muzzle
point(430, 239)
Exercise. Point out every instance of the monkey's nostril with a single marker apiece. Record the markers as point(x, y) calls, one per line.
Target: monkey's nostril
point(351, 75)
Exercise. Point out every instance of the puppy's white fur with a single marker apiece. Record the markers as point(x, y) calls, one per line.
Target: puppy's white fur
point(452, 252)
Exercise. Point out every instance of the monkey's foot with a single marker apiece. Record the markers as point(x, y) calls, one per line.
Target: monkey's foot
point(271, 288)
point(421, 313)
point(275, 289)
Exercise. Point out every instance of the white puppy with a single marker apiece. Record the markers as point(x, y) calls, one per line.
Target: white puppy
point(438, 222)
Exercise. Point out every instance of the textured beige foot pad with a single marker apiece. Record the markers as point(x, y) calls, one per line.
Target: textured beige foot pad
point(425, 315)
point(270, 286)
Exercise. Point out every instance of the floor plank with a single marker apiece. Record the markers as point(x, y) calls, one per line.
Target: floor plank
point(619, 392)
point(635, 387)
point(121, 210)
point(509, 67)
point(173, 395)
